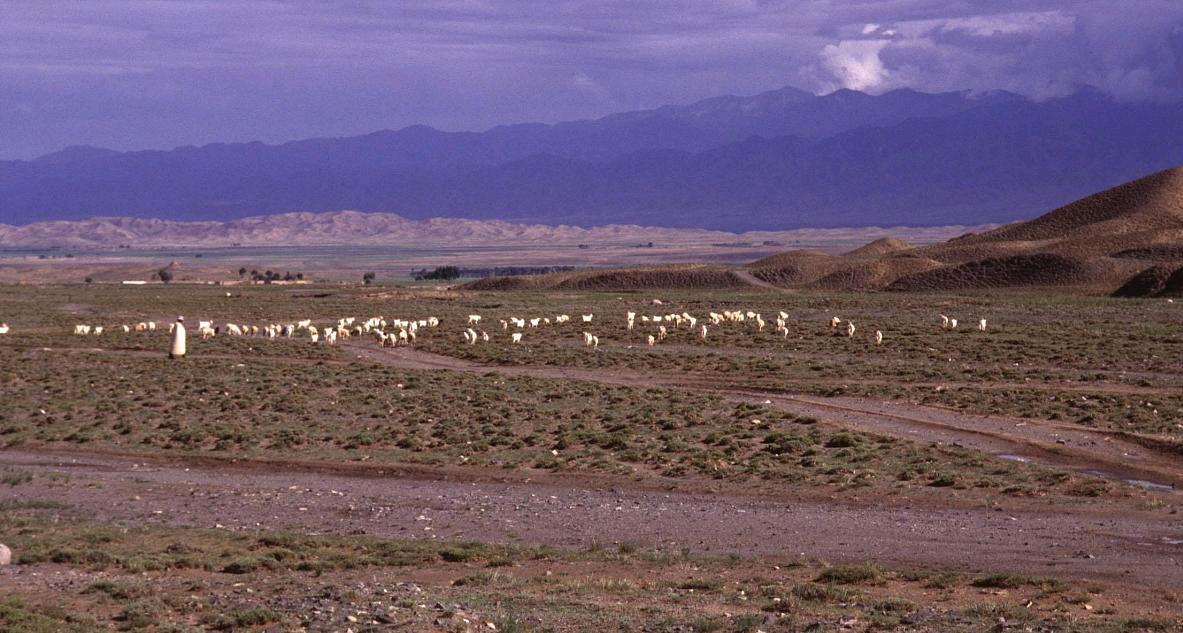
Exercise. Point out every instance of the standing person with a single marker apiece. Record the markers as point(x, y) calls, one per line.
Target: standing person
point(177, 348)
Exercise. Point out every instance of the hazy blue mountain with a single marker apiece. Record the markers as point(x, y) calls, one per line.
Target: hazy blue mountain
point(775, 160)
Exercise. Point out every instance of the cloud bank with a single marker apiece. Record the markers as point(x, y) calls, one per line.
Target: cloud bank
point(136, 74)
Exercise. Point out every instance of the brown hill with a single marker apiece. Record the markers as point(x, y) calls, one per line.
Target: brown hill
point(875, 274)
point(1036, 269)
point(1100, 224)
point(1156, 281)
point(881, 246)
point(1097, 242)
point(657, 278)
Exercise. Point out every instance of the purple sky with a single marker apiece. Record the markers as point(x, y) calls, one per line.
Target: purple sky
point(132, 74)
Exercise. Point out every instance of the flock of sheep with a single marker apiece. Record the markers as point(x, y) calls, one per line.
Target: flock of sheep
point(398, 332)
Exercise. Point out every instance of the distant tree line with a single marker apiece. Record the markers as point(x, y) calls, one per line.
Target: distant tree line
point(268, 276)
point(448, 273)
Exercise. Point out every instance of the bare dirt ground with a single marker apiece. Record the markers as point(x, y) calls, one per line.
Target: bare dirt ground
point(1063, 542)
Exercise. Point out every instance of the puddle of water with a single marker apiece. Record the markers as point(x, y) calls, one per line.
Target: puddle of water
point(1152, 485)
point(1013, 458)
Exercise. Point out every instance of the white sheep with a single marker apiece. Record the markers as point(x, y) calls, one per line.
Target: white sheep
point(535, 321)
point(151, 326)
point(878, 337)
point(127, 328)
point(517, 337)
point(303, 323)
point(331, 336)
point(233, 330)
point(759, 323)
point(81, 330)
point(944, 322)
point(3, 328)
point(982, 325)
point(850, 328)
point(703, 333)
point(661, 333)
point(952, 324)
point(652, 341)
point(484, 336)
point(474, 319)
point(834, 322)
point(97, 330)
point(595, 342)
point(587, 318)
point(470, 336)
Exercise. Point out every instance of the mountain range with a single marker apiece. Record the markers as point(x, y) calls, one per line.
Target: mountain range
point(778, 160)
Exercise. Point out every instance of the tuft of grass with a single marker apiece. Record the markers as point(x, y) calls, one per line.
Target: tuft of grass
point(851, 574)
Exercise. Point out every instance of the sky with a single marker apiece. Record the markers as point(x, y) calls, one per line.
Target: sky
point(134, 74)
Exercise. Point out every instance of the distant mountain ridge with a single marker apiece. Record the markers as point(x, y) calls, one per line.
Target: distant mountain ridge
point(353, 227)
point(781, 159)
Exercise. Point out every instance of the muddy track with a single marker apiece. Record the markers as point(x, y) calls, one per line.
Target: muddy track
point(1128, 548)
point(1112, 455)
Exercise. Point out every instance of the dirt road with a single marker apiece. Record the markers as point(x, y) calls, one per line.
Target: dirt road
point(1068, 542)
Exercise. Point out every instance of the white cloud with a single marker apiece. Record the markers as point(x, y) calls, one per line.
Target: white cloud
point(856, 64)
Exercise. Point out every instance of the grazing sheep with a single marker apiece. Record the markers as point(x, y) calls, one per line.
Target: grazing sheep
point(127, 328)
point(517, 337)
point(595, 342)
point(587, 318)
point(834, 322)
point(206, 332)
point(587, 339)
point(504, 324)
point(82, 330)
point(944, 322)
point(534, 322)
point(176, 348)
point(97, 330)
point(850, 328)
point(203, 324)
point(878, 337)
point(233, 330)
point(331, 336)
point(3, 328)
point(661, 333)
point(982, 325)
point(303, 324)
point(484, 336)
point(703, 333)
point(759, 323)
point(952, 324)
point(474, 319)
point(652, 341)
point(783, 315)
point(151, 326)
point(470, 336)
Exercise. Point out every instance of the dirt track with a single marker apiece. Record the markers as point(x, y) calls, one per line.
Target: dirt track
point(1069, 542)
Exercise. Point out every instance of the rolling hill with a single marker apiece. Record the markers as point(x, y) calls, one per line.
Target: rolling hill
point(1129, 237)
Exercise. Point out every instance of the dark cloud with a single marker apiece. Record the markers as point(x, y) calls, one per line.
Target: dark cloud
point(130, 74)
